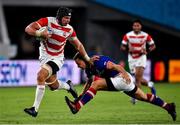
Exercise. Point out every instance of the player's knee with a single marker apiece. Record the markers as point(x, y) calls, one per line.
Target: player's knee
point(40, 78)
point(52, 83)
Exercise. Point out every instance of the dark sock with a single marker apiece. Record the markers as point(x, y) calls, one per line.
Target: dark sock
point(90, 93)
point(156, 100)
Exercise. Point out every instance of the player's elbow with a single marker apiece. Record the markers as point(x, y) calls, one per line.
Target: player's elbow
point(31, 28)
point(27, 30)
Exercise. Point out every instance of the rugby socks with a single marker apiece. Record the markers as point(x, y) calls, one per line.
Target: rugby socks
point(157, 101)
point(151, 85)
point(153, 91)
point(63, 85)
point(40, 90)
point(90, 93)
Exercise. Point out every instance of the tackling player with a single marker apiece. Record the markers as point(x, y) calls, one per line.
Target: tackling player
point(113, 78)
point(53, 39)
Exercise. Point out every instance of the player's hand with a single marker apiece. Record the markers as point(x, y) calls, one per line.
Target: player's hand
point(126, 77)
point(47, 33)
point(94, 58)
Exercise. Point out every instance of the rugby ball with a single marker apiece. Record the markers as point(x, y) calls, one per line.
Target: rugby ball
point(42, 29)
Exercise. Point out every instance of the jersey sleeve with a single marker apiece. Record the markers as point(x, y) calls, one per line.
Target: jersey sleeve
point(149, 40)
point(125, 40)
point(73, 35)
point(42, 22)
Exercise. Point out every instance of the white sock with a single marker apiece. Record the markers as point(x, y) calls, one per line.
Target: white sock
point(40, 89)
point(150, 84)
point(63, 85)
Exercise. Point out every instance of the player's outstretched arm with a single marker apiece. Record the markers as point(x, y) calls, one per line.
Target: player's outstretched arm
point(120, 69)
point(80, 48)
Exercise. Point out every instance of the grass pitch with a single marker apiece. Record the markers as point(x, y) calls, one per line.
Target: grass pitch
point(105, 108)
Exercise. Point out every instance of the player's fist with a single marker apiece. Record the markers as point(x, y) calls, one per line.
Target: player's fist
point(92, 59)
point(44, 32)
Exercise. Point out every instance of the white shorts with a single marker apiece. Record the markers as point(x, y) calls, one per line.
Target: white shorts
point(137, 62)
point(120, 84)
point(44, 58)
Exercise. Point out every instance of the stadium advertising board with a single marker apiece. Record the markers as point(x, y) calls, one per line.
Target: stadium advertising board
point(159, 71)
point(23, 72)
point(147, 71)
point(174, 71)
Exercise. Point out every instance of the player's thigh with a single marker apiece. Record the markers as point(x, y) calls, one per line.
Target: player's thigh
point(139, 72)
point(132, 67)
point(99, 84)
point(140, 65)
point(136, 62)
point(132, 64)
point(51, 63)
point(144, 82)
point(44, 58)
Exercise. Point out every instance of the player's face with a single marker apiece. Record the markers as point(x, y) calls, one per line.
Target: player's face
point(66, 20)
point(80, 63)
point(137, 27)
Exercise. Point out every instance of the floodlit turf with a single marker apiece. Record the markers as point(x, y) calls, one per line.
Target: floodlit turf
point(105, 108)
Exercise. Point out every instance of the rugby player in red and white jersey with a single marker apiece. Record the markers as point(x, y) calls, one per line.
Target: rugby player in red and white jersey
point(135, 43)
point(53, 39)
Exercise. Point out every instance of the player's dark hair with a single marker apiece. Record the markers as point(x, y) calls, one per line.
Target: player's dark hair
point(63, 11)
point(137, 21)
point(78, 56)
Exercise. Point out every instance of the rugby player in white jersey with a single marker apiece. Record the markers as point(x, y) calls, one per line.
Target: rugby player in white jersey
point(135, 43)
point(53, 32)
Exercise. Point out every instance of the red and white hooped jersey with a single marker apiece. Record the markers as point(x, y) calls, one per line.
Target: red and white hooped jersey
point(54, 45)
point(137, 42)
